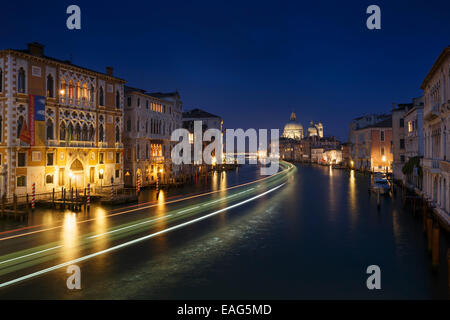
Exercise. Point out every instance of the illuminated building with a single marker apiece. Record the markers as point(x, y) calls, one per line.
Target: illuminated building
point(371, 145)
point(293, 129)
point(60, 123)
point(436, 125)
point(150, 119)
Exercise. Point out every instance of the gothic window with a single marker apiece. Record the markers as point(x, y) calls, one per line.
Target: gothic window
point(50, 129)
point(70, 130)
point(137, 127)
point(101, 97)
point(63, 87)
point(91, 94)
point(91, 133)
point(100, 133)
point(117, 99)
point(21, 81)
point(50, 86)
point(117, 134)
point(70, 89)
point(84, 133)
point(77, 136)
point(62, 131)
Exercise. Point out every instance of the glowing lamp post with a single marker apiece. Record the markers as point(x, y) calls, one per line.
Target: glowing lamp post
point(101, 179)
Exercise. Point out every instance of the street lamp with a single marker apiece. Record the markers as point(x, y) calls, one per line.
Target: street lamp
point(101, 179)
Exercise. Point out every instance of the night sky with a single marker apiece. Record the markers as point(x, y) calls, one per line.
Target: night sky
point(250, 62)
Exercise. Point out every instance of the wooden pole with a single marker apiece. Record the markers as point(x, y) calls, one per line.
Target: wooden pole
point(448, 266)
point(15, 205)
point(378, 199)
point(3, 204)
point(424, 216)
point(429, 231)
point(53, 197)
point(435, 246)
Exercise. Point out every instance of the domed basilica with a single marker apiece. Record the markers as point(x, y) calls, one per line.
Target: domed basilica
point(294, 130)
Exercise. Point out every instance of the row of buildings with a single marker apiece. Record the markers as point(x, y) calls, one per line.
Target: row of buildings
point(413, 141)
point(63, 125)
point(421, 146)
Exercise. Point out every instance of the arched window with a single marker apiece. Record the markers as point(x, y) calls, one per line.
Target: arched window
point(91, 94)
point(77, 136)
point(100, 97)
point(146, 151)
point(78, 91)
point(91, 133)
point(63, 87)
point(21, 81)
point(62, 131)
point(84, 92)
point(137, 126)
point(146, 126)
point(84, 133)
point(50, 92)
point(1, 80)
point(100, 133)
point(19, 125)
point(50, 129)
point(117, 134)
point(70, 131)
point(117, 99)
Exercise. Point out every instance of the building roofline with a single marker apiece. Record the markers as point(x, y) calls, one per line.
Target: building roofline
point(58, 61)
point(439, 60)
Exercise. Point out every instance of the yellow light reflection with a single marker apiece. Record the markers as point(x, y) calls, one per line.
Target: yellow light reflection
point(70, 236)
point(352, 198)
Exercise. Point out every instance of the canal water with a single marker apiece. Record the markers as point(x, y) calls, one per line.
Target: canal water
point(312, 239)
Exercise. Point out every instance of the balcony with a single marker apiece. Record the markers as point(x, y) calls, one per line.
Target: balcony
point(445, 166)
point(432, 112)
point(432, 164)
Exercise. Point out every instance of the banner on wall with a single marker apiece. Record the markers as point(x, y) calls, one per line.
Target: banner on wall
point(36, 112)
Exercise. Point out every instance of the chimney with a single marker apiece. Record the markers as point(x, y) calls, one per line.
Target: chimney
point(109, 71)
point(36, 49)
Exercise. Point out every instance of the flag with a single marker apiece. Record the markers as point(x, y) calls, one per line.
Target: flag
point(36, 112)
point(24, 133)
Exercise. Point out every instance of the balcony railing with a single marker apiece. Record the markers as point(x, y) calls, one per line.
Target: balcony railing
point(431, 163)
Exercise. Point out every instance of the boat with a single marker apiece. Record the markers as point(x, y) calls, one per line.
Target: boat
point(380, 185)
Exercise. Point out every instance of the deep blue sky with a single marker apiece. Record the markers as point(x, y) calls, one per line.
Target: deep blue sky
point(250, 62)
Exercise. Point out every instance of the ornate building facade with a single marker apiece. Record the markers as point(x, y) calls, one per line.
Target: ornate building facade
point(61, 125)
point(436, 125)
point(149, 121)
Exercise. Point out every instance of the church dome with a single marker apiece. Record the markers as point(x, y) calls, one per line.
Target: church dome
point(293, 129)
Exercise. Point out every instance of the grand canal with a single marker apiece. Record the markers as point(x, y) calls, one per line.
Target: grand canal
point(309, 232)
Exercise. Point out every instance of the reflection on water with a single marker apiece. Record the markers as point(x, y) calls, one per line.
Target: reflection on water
point(69, 236)
point(353, 203)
